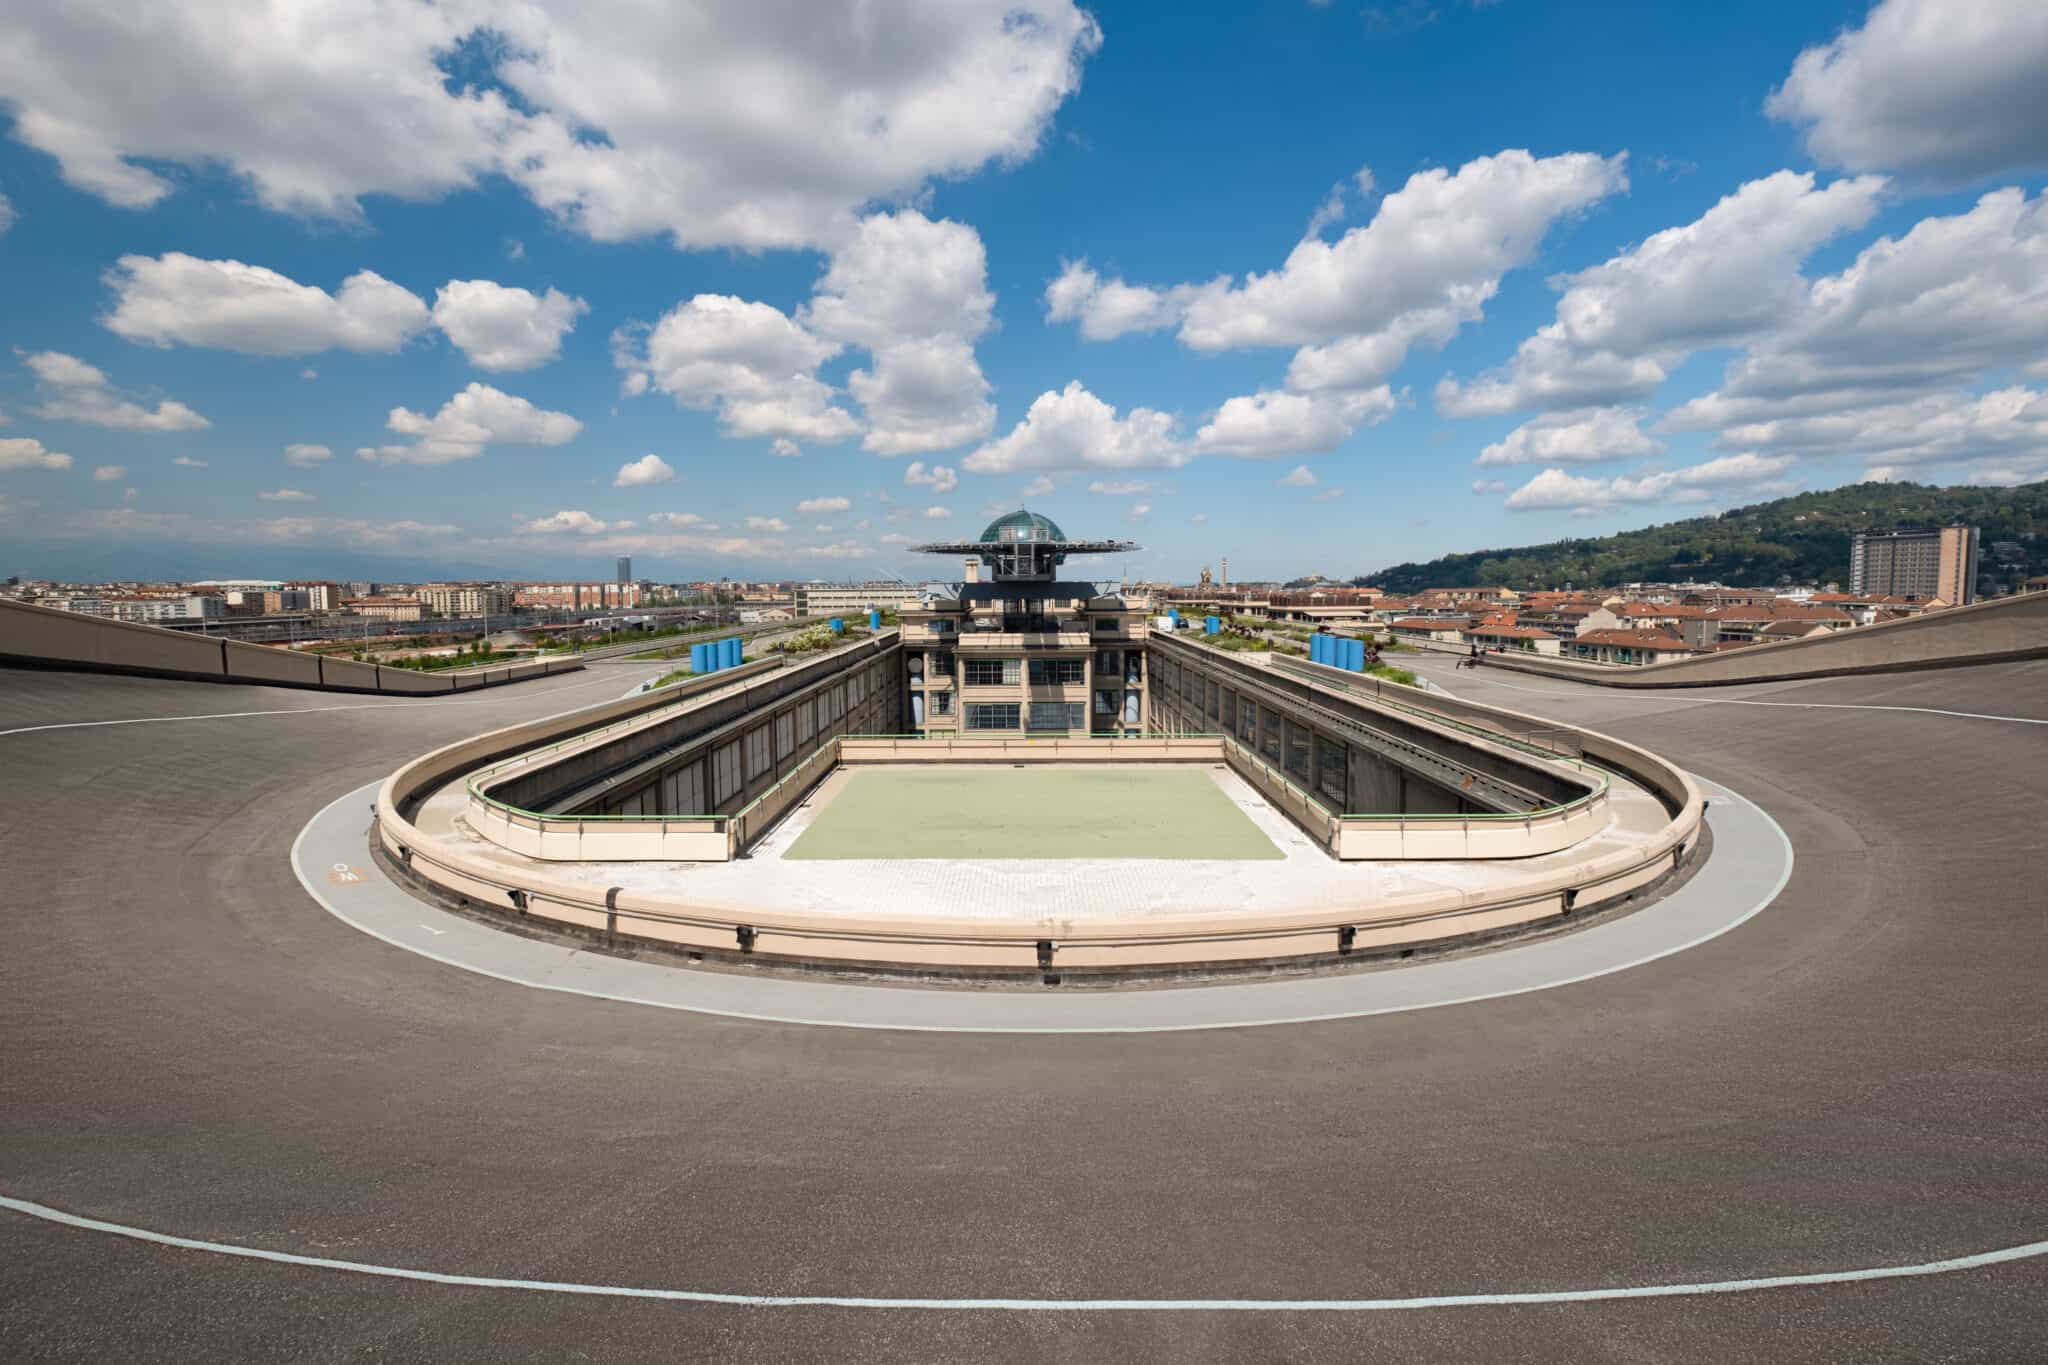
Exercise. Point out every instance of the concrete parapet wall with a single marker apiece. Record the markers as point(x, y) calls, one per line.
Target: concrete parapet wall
point(533, 890)
point(39, 637)
point(2000, 630)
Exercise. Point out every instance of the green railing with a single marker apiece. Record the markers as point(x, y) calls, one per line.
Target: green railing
point(534, 819)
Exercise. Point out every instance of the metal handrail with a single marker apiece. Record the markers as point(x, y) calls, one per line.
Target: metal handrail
point(529, 756)
point(1501, 736)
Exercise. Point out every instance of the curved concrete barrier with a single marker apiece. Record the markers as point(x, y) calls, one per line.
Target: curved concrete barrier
point(39, 637)
point(1998, 631)
point(528, 889)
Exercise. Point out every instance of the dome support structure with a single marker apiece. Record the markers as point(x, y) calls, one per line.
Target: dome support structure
point(1024, 547)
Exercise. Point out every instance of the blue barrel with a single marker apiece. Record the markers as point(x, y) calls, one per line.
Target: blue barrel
point(736, 652)
point(700, 661)
point(1354, 655)
point(838, 625)
point(1209, 625)
point(1173, 615)
point(1318, 653)
point(874, 620)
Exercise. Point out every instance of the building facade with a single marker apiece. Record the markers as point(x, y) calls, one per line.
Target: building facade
point(1022, 651)
point(465, 599)
point(384, 608)
point(846, 599)
point(576, 596)
point(1916, 562)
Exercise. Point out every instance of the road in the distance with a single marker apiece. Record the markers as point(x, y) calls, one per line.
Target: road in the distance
point(1854, 1078)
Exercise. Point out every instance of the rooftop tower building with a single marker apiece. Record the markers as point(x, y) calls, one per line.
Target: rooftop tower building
point(1023, 650)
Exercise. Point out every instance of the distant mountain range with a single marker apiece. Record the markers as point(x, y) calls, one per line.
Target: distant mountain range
point(1800, 539)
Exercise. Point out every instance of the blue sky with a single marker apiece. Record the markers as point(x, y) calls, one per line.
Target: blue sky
point(316, 290)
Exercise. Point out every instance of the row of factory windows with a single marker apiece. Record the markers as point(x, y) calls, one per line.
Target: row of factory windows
point(1109, 664)
point(735, 764)
point(1195, 703)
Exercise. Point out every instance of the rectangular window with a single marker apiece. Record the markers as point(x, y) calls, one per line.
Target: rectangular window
point(942, 663)
point(856, 689)
point(1058, 715)
point(804, 728)
point(1134, 668)
point(1331, 774)
point(1269, 733)
point(1297, 752)
point(725, 771)
point(942, 703)
point(1108, 662)
point(682, 791)
point(993, 672)
point(757, 752)
point(1057, 672)
point(1214, 702)
point(1247, 721)
point(1000, 715)
point(785, 734)
point(1106, 702)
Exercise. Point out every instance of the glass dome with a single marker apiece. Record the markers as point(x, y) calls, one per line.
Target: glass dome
point(1021, 526)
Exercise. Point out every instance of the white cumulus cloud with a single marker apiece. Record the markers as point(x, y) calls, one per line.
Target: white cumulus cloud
point(1624, 325)
point(791, 118)
point(1584, 436)
point(110, 473)
point(1274, 423)
point(306, 455)
point(939, 478)
point(74, 391)
point(1555, 488)
point(567, 520)
point(466, 423)
point(229, 305)
point(813, 506)
point(285, 495)
point(1073, 429)
point(1301, 476)
point(23, 452)
point(914, 294)
point(750, 362)
point(649, 469)
point(1946, 91)
point(504, 328)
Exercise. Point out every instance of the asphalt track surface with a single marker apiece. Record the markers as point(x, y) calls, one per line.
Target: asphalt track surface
point(1855, 1078)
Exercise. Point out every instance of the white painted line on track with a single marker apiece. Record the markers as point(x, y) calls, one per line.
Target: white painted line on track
point(451, 701)
point(1510, 1298)
point(1676, 695)
point(1545, 964)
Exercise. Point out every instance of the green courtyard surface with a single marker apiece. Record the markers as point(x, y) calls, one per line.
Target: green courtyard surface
point(996, 811)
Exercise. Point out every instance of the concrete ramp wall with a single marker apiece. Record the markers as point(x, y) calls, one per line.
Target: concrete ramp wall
point(1997, 631)
point(39, 637)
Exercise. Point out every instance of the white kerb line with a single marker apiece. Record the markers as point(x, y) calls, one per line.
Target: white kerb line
point(1512, 1298)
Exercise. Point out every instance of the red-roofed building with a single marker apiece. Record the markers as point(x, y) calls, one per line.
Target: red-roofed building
point(1520, 639)
point(1627, 647)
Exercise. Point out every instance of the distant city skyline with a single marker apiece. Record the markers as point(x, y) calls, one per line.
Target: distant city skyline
point(1312, 289)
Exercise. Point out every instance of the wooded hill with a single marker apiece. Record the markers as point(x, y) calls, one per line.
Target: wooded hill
point(1800, 539)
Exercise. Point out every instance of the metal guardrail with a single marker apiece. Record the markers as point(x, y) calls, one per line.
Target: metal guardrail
point(1351, 682)
point(488, 808)
point(1420, 757)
